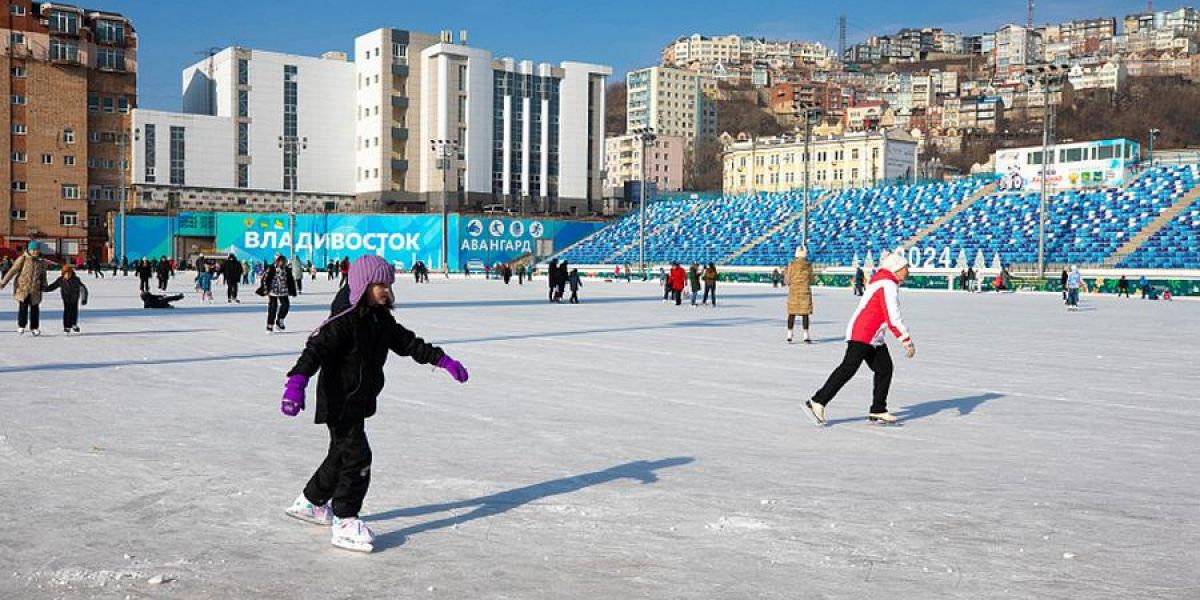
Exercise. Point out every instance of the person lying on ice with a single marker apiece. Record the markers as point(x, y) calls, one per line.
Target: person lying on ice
point(350, 349)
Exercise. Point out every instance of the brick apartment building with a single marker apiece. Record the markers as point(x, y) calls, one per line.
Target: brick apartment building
point(70, 83)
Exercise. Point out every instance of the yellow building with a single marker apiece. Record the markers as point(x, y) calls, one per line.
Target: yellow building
point(856, 159)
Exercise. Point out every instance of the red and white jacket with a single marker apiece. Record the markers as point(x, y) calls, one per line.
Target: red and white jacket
point(878, 311)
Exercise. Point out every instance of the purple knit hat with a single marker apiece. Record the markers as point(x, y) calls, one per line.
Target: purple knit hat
point(367, 270)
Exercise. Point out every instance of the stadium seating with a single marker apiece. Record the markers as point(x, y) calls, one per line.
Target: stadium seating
point(1083, 227)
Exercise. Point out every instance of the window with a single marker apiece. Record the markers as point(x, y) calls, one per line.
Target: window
point(149, 152)
point(243, 104)
point(290, 125)
point(17, 72)
point(122, 105)
point(69, 160)
point(16, 39)
point(243, 139)
point(64, 50)
point(243, 72)
point(47, 159)
point(177, 155)
point(68, 219)
point(18, 99)
point(70, 191)
point(16, 10)
point(243, 177)
point(19, 129)
point(110, 32)
point(19, 186)
point(18, 215)
point(68, 136)
point(110, 58)
point(1106, 152)
point(19, 157)
point(108, 104)
point(462, 78)
point(94, 136)
point(93, 103)
point(64, 22)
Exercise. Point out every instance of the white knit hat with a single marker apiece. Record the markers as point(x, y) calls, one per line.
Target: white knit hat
point(894, 261)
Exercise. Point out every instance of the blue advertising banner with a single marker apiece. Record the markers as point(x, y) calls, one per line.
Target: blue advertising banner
point(487, 241)
point(148, 236)
point(401, 239)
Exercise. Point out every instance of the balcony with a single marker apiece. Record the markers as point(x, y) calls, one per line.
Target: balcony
point(400, 133)
point(399, 70)
point(399, 164)
point(399, 102)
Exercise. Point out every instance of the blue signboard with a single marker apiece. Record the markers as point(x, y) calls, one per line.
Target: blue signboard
point(401, 239)
point(487, 240)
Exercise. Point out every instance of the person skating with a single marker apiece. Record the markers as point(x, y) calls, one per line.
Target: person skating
point(124, 267)
point(552, 278)
point(344, 268)
point(164, 272)
point(710, 284)
point(1074, 282)
point(563, 274)
point(204, 279)
point(73, 294)
point(5, 265)
point(694, 281)
point(521, 274)
point(29, 270)
point(676, 280)
point(144, 273)
point(350, 350)
point(1123, 287)
point(878, 312)
point(800, 276)
point(298, 274)
point(232, 270)
point(860, 280)
point(575, 282)
point(279, 286)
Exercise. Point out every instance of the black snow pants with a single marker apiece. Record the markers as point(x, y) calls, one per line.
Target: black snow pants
point(878, 360)
point(29, 313)
point(231, 289)
point(345, 474)
point(277, 309)
point(70, 314)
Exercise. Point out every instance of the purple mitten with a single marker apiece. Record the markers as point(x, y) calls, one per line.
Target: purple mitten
point(293, 395)
point(455, 368)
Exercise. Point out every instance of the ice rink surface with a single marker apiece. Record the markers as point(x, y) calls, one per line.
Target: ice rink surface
point(621, 448)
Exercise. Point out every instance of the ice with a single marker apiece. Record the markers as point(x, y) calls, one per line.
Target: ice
point(621, 448)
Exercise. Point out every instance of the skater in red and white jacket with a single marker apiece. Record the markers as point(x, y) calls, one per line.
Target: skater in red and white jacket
point(878, 312)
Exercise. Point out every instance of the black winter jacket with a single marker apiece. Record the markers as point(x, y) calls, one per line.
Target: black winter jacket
point(350, 352)
point(231, 270)
point(71, 289)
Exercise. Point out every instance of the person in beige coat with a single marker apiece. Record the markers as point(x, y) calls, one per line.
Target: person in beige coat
point(799, 277)
point(29, 270)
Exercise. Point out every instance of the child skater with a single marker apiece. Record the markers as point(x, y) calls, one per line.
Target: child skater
point(350, 349)
point(73, 291)
point(204, 279)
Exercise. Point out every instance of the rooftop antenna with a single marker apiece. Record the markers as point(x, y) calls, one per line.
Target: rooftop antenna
point(1029, 16)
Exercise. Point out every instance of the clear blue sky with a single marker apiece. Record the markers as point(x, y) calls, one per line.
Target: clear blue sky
point(623, 33)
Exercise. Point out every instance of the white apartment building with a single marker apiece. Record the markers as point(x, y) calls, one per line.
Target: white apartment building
point(224, 150)
point(661, 163)
point(529, 137)
point(1015, 47)
point(674, 102)
point(388, 152)
point(1108, 75)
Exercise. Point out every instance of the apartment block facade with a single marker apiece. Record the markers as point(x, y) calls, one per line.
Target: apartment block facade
point(71, 83)
point(674, 102)
point(777, 164)
point(660, 162)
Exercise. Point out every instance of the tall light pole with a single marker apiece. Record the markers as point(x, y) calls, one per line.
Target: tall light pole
point(645, 137)
point(123, 190)
point(811, 116)
point(292, 145)
point(1153, 134)
point(1051, 78)
point(444, 152)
